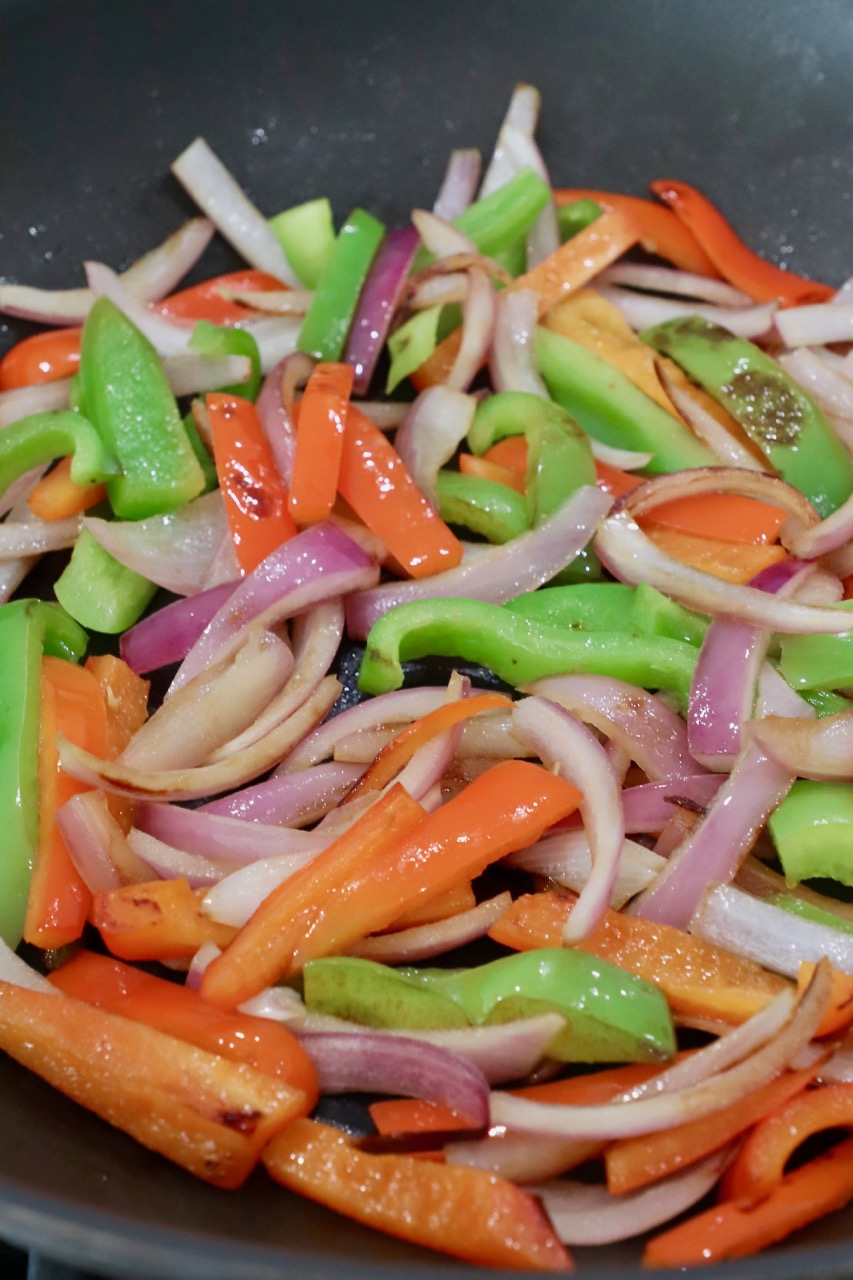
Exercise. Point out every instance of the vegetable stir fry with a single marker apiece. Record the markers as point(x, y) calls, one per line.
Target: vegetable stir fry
point(568, 909)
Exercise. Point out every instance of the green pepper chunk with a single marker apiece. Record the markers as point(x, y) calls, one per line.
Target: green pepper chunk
point(41, 437)
point(559, 456)
point(611, 1015)
point(130, 403)
point(825, 702)
point(412, 344)
point(494, 511)
point(654, 614)
point(774, 411)
point(808, 911)
point(577, 216)
point(500, 220)
point(28, 629)
point(306, 233)
point(98, 591)
point(227, 340)
point(612, 409)
point(812, 830)
point(327, 324)
point(376, 996)
point(822, 662)
point(516, 648)
point(583, 606)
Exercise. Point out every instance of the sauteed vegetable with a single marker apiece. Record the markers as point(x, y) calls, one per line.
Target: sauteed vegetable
point(556, 911)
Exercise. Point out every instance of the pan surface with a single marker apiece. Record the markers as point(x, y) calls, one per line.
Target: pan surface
point(749, 99)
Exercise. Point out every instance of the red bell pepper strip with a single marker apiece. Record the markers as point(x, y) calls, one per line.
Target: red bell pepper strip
point(43, 357)
point(205, 301)
point(661, 233)
point(319, 442)
point(763, 281)
point(253, 491)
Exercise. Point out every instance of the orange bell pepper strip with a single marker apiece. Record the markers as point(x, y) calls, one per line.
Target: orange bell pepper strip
point(471, 465)
point(511, 452)
point(374, 481)
point(460, 897)
point(209, 1115)
point(760, 1162)
point(59, 900)
point(254, 493)
point(571, 266)
point(763, 281)
point(262, 951)
point(43, 357)
point(319, 442)
point(180, 1011)
point(724, 517)
point(839, 1014)
point(661, 232)
point(731, 561)
point(126, 696)
point(697, 978)
point(462, 1211)
point(614, 480)
point(205, 301)
point(156, 920)
point(57, 496)
point(399, 751)
point(393, 1116)
point(632, 1163)
point(742, 1227)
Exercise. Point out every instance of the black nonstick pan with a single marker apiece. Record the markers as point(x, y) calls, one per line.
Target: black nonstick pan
point(749, 99)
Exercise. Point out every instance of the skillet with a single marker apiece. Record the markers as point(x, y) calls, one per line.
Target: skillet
point(749, 99)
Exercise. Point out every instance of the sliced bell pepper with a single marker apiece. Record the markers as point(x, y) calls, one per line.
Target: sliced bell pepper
point(777, 415)
point(498, 221)
point(215, 340)
point(485, 469)
point(306, 233)
point(819, 662)
point(129, 400)
point(486, 507)
point(41, 437)
point(612, 409)
point(661, 231)
point(126, 697)
point(654, 614)
point(452, 1208)
point(326, 326)
point(585, 606)
point(43, 357)
point(736, 262)
point(731, 561)
point(28, 629)
point(253, 491)
point(516, 648)
point(57, 495)
point(102, 594)
point(319, 442)
point(205, 301)
point(576, 216)
point(375, 995)
point(156, 920)
point(812, 830)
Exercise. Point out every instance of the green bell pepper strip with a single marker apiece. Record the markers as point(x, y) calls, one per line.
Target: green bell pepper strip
point(211, 479)
point(808, 911)
point(654, 614)
point(586, 567)
point(129, 401)
point(28, 629)
point(812, 830)
point(498, 221)
point(559, 455)
point(611, 1015)
point(42, 437)
point(100, 593)
point(818, 662)
point(227, 340)
point(517, 649)
point(375, 995)
point(583, 606)
point(494, 511)
point(774, 411)
point(825, 702)
point(326, 326)
point(306, 233)
point(575, 217)
point(411, 344)
point(612, 409)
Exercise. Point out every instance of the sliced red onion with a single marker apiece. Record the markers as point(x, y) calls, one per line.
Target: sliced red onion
point(378, 301)
point(17, 972)
point(317, 564)
point(566, 746)
point(564, 857)
point(43, 397)
point(585, 1213)
point(236, 897)
point(168, 337)
point(832, 388)
point(191, 374)
point(175, 550)
point(818, 540)
point(168, 635)
point(729, 917)
point(642, 310)
point(207, 780)
point(37, 536)
point(478, 321)
point(500, 573)
point(275, 418)
point(277, 302)
point(523, 115)
point(424, 941)
point(97, 844)
point(150, 278)
point(222, 838)
point(398, 707)
point(521, 1157)
point(717, 846)
point(641, 723)
point(439, 235)
point(624, 459)
point(434, 426)
point(459, 185)
point(293, 800)
point(728, 448)
point(685, 284)
point(821, 749)
point(816, 325)
point(722, 691)
point(698, 480)
point(213, 708)
point(369, 1063)
point(648, 807)
point(387, 415)
point(168, 863)
point(667, 1110)
point(512, 362)
point(216, 192)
